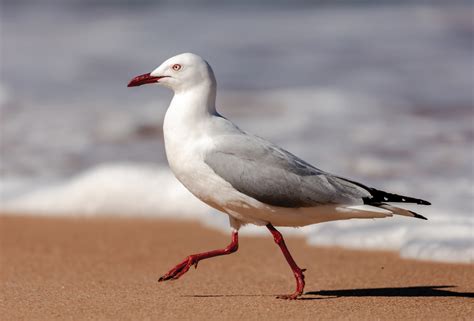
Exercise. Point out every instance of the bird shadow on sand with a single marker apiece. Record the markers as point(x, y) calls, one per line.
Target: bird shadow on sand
point(410, 291)
point(244, 295)
point(219, 295)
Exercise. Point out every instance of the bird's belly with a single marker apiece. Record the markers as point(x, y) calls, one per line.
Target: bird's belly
point(198, 180)
point(188, 166)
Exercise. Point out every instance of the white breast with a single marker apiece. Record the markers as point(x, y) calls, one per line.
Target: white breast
point(187, 138)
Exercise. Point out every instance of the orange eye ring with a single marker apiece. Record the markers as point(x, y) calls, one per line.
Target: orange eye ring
point(176, 67)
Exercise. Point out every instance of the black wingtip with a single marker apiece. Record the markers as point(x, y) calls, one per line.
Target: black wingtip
point(378, 196)
point(423, 202)
point(416, 215)
point(381, 196)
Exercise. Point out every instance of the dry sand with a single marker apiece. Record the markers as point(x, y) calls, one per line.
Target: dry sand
point(107, 269)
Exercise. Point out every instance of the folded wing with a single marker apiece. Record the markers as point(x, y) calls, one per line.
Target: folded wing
point(276, 177)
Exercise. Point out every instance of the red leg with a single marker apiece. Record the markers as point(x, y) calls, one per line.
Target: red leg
point(183, 267)
point(296, 270)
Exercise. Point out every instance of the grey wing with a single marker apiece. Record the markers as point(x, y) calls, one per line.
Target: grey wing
point(276, 177)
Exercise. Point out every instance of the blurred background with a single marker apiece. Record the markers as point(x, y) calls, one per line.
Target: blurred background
point(378, 91)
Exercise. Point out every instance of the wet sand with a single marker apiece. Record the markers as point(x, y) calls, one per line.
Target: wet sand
point(107, 269)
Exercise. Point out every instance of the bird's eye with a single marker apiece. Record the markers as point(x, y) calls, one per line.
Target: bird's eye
point(176, 67)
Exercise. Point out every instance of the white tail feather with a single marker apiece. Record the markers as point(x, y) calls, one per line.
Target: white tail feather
point(397, 210)
point(367, 211)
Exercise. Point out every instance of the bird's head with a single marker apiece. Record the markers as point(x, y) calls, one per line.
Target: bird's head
point(180, 73)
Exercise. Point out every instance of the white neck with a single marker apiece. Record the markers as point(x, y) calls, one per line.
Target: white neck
point(200, 100)
point(186, 122)
point(189, 112)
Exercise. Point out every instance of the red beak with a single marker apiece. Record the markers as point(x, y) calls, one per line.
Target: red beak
point(144, 79)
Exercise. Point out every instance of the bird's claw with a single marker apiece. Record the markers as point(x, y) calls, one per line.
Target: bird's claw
point(299, 286)
point(180, 269)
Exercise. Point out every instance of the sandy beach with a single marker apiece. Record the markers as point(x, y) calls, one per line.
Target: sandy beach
point(107, 269)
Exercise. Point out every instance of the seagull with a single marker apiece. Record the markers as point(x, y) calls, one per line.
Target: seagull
point(250, 179)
